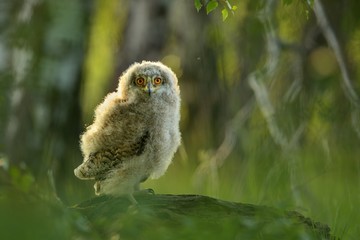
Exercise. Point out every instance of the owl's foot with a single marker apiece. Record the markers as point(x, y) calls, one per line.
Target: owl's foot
point(143, 192)
point(132, 200)
point(134, 206)
point(97, 187)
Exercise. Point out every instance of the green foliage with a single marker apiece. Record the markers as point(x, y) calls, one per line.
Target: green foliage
point(22, 180)
point(198, 5)
point(40, 215)
point(213, 4)
point(32, 213)
point(225, 14)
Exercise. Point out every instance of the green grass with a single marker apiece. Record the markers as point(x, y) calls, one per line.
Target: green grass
point(321, 183)
point(322, 186)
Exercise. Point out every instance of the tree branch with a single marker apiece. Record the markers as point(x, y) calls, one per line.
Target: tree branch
point(334, 44)
point(183, 216)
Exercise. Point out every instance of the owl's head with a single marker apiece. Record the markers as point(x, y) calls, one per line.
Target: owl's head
point(148, 79)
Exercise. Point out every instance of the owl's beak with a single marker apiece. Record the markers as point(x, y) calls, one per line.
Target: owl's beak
point(148, 88)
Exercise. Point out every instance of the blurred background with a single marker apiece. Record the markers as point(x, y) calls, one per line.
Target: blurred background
point(270, 97)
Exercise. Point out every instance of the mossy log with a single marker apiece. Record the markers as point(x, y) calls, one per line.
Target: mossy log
point(193, 217)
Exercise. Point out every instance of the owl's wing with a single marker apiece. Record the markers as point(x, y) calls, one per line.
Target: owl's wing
point(101, 162)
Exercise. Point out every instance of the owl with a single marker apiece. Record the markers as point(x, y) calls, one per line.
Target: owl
point(135, 132)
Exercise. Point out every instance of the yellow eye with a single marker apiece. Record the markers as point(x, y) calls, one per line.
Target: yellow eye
point(140, 81)
point(157, 81)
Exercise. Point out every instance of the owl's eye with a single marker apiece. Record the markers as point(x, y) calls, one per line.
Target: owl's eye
point(157, 81)
point(140, 81)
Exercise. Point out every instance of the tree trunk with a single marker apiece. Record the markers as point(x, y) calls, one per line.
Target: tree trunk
point(45, 45)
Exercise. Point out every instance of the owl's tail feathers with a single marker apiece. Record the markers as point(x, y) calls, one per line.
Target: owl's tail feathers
point(83, 172)
point(90, 169)
point(96, 166)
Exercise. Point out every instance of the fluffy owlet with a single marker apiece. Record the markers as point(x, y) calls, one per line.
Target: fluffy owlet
point(135, 131)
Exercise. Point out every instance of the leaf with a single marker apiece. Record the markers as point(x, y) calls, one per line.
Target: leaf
point(211, 6)
point(234, 8)
point(198, 5)
point(224, 14)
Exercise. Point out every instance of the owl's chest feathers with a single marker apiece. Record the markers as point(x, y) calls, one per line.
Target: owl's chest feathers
point(158, 121)
point(156, 118)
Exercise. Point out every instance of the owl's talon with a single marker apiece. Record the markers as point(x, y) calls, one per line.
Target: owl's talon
point(132, 200)
point(150, 191)
point(133, 207)
point(147, 191)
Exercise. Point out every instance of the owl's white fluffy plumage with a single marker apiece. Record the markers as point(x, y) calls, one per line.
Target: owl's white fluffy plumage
point(135, 131)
